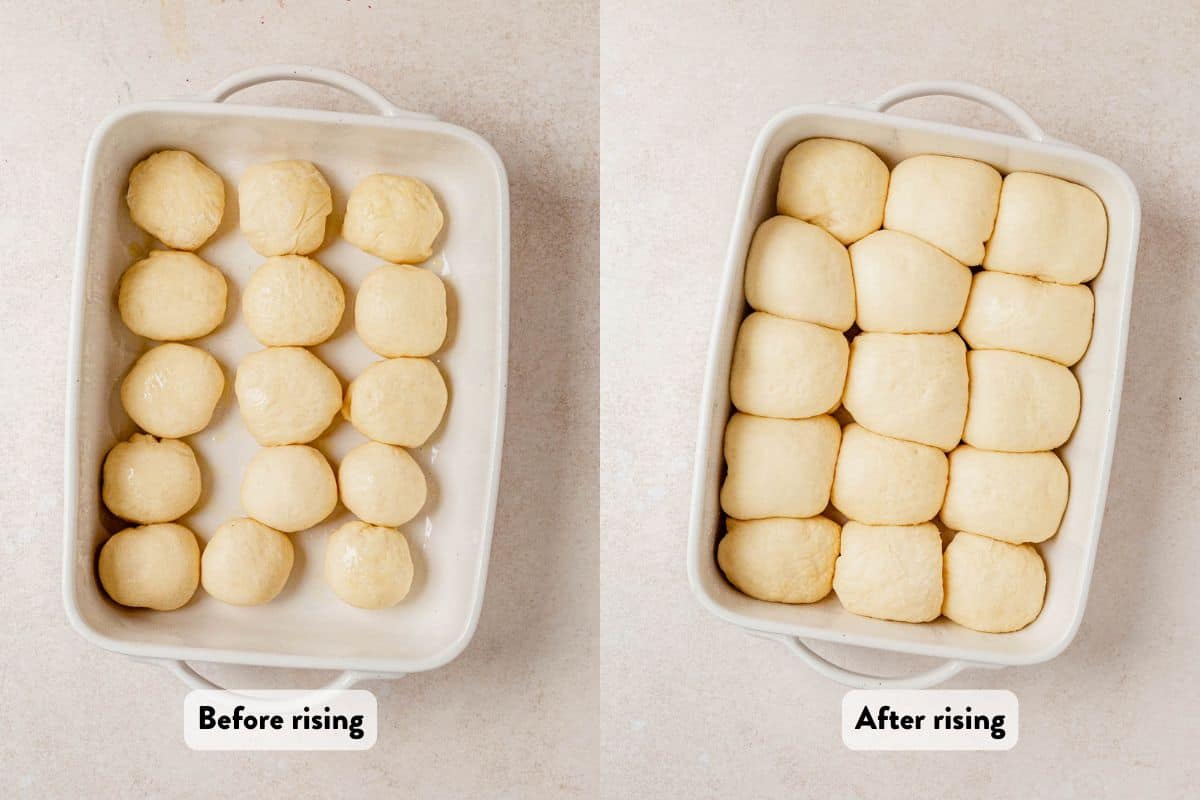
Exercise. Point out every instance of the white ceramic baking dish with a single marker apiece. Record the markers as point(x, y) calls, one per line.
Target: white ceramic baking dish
point(1069, 555)
point(306, 626)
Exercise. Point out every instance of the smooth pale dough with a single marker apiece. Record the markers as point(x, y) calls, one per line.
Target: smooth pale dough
point(909, 386)
point(172, 390)
point(171, 296)
point(890, 571)
point(150, 480)
point(836, 184)
point(780, 560)
point(381, 484)
point(176, 198)
point(397, 401)
point(949, 202)
point(152, 566)
point(1048, 228)
point(787, 368)
point(286, 395)
point(992, 586)
point(393, 217)
point(246, 563)
point(401, 311)
point(884, 481)
point(291, 488)
point(1019, 403)
point(282, 207)
point(1013, 312)
point(292, 300)
point(904, 285)
point(1017, 497)
point(800, 271)
point(778, 467)
point(368, 566)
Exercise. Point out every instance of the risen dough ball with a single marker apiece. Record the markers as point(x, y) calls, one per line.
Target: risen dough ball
point(292, 300)
point(992, 586)
point(778, 467)
point(246, 563)
point(398, 401)
point(393, 217)
point(1012, 312)
point(282, 207)
point(787, 368)
point(286, 395)
point(885, 481)
point(780, 560)
point(176, 198)
point(172, 296)
point(949, 202)
point(147, 480)
point(290, 488)
point(797, 270)
point(1017, 497)
point(1019, 403)
point(401, 311)
point(890, 571)
point(154, 566)
point(903, 285)
point(381, 484)
point(368, 566)
point(172, 390)
point(836, 184)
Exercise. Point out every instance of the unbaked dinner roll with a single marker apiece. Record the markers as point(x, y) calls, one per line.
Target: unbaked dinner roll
point(176, 198)
point(1017, 497)
point(172, 390)
point(1019, 403)
point(286, 395)
point(992, 586)
point(800, 271)
point(292, 300)
point(153, 566)
point(246, 563)
point(381, 484)
point(949, 202)
point(397, 401)
point(884, 481)
point(778, 467)
point(368, 566)
point(836, 184)
point(1013, 312)
point(291, 488)
point(904, 285)
point(147, 480)
point(787, 368)
point(890, 571)
point(780, 560)
point(393, 217)
point(282, 207)
point(401, 311)
point(171, 296)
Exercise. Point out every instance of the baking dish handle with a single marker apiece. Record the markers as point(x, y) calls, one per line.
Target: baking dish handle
point(186, 673)
point(964, 91)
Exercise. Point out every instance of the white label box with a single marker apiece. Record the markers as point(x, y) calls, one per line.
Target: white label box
point(942, 719)
point(280, 720)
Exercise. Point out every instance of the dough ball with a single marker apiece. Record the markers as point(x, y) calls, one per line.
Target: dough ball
point(1048, 228)
point(381, 484)
point(1013, 312)
point(282, 207)
point(885, 481)
point(292, 300)
point(171, 296)
point(401, 311)
point(903, 285)
point(246, 563)
point(172, 390)
point(836, 184)
point(909, 386)
point(890, 571)
point(153, 566)
point(398, 401)
point(949, 202)
point(367, 566)
point(291, 488)
point(778, 467)
point(1017, 497)
point(148, 480)
point(992, 586)
point(800, 271)
point(286, 395)
point(780, 560)
point(393, 217)
point(787, 368)
point(177, 199)
point(1019, 403)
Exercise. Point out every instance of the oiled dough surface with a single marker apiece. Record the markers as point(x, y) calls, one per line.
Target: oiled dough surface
point(176, 198)
point(884, 481)
point(778, 467)
point(904, 285)
point(282, 207)
point(286, 395)
point(368, 566)
point(400, 310)
point(798, 270)
point(1017, 497)
point(787, 368)
point(890, 571)
point(171, 295)
point(147, 480)
point(1018, 402)
point(246, 563)
point(780, 560)
point(394, 217)
point(397, 401)
point(949, 202)
point(172, 390)
point(992, 586)
point(838, 185)
point(381, 484)
point(292, 300)
point(152, 566)
point(289, 488)
point(1014, 312)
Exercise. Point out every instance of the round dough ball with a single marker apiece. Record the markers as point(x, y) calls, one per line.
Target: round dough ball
point(778, 467)
point(176, 198)
point(949, 202)
point(401, 311)
point(1013, 312)
point(292, 300)
point(282, 207)
point(246, 563)
point(800, 271)
point(787, 368)
point(172, 296)
point(1019, 403)
point(398, 401)
point(890, 571)
point(885, 481)
point(286, 395)
point(153, 566)
point(396, 218)
point(368, 566)
point(172, 390)
point(291, 488)
point(147, 480)
point(1017, 497)
point(836, 184)
point(780, 560)
point(992, 586)
point(381, 484)
point(903, 285)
